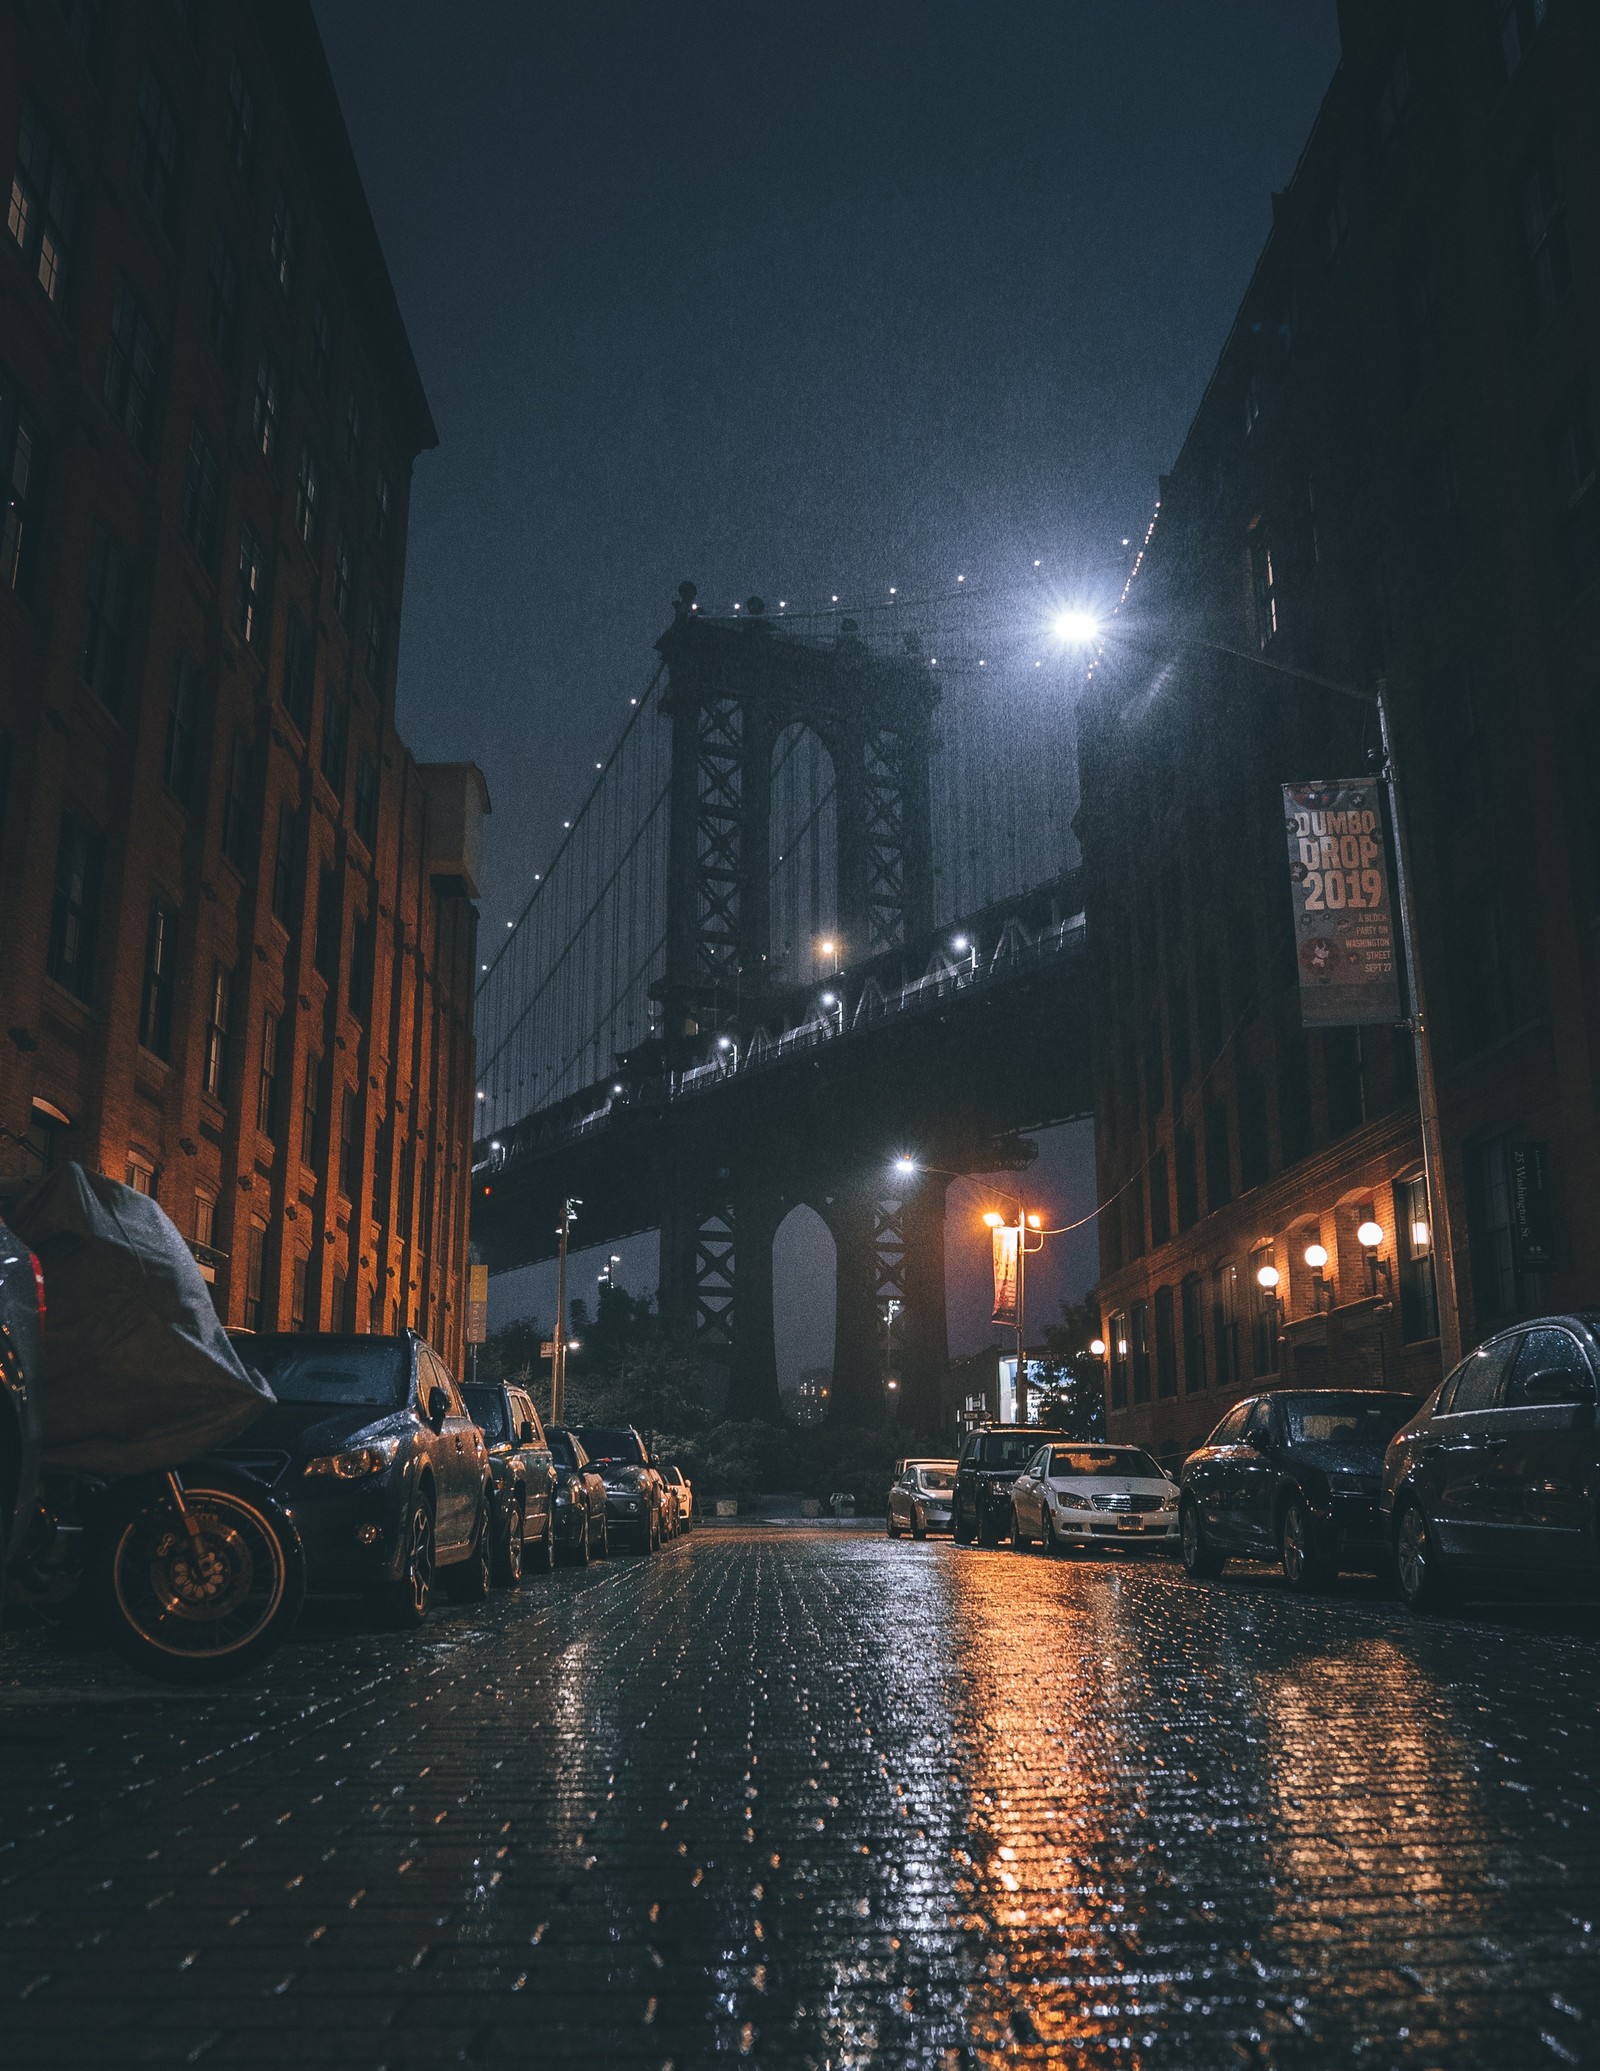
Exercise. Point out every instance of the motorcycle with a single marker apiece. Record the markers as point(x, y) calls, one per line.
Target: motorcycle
point(195, 1575)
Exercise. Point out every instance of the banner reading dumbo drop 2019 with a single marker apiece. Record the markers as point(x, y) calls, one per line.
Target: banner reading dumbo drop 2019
point(1005, 1273)
point(1343, 908)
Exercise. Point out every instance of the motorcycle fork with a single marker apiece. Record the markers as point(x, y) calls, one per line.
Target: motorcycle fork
point(191, 1523)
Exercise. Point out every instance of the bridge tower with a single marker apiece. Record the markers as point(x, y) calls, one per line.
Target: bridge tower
point(733, 689)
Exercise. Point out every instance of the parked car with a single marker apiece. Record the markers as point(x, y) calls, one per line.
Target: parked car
point(1497, 1476)
point(22, 1307)
point(919, 1497)
point(991, 1459)
point(582, 1533)
point(372, 1451)
point(1094, 1495)
point(680, 1491)
point(635, 1494)
point(1292, 1476)
point(522, 1480)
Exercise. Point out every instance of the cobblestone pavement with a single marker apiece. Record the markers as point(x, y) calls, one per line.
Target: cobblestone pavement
point(806, 1797)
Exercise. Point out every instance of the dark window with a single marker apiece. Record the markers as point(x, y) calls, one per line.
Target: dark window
point(43, 212)
point(382, 1171)
point(1252, 1130)
point(1139, 1329)
point(183, 729)
point(255, 1274)
point(1419, 1308)
point(1166, 1344)
point(1160, 1201)
point(383, 514)
point(297, 671)
point(268, 407)
point(375, 643)
point(1503, 1287)
point(1188, 1178)
point(271, 1071)
point(110, 613)
point(1264, 582)
point(341, 579)
point(367, 799)
point(352, 428)
point(1542, 210)
point(335, 737)
point(1192, 1307)
point(250, 590)
point(1486, 994)
point(349, 1144)
point(236, 817)
point(1119, 1361)
point(321, 345)
point(75, 907)
point(202, 495)
point(222, 296)
point(340, 1318)
point(21, 481)
point(1219, 1176)
point(360, 986)
point(241, 122)
point(1294, 1096)
point(1134, 1205)
point(283, 242)
point(1577, 501)
point(155, 151)
point(310, 1109)
point(1225, 1324)
point(284, 872)
point(298, 1271)
point(214, 1075)
point(160, 971)
point(133, 369)
point(308, 501)
point(1343, 1080)
point(330, 925)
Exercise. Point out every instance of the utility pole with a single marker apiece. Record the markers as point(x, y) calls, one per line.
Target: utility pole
point(558, 1350)
point(1022, 1333)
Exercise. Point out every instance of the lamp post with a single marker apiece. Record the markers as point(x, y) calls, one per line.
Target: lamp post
point(1026, 1226)
point(558, 1352)
point(1080, 629)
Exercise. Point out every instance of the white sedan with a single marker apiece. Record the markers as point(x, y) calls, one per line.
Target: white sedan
point(1092, 1494)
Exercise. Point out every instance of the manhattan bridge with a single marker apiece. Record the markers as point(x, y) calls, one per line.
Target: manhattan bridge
point(819, 908)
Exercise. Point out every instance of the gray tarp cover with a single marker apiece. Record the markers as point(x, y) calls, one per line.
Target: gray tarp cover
point(136, 1371)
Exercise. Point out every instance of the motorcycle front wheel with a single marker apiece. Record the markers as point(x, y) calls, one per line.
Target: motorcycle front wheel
point(201, 1593)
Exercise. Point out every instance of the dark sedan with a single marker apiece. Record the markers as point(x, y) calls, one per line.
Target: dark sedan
point(989, 1463)
point(21, 1312)
point(386, 1475)
point(582, 1533)
point(1497, 1477)
point(521, 1480)
point(635, 1496)
point(1292, 1476)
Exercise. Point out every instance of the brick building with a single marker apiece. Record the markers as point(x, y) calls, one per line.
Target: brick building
point(1393, 472)
point(236, 932)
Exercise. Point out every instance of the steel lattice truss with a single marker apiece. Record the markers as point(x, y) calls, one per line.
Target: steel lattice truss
point(719, 813)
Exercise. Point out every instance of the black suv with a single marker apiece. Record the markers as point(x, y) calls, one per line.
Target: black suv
point(990, 1461)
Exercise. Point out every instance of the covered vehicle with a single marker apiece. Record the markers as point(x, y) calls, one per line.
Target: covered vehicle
point(991, 1459)
point(919, 1497)
point(385, 1473)
point(1292, 1476)
point(1093, 1494)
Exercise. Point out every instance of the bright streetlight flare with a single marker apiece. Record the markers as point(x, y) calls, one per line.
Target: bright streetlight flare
point(905, 1166)
point(1075, 627)
point(993, 1220)
point(1098, 1347)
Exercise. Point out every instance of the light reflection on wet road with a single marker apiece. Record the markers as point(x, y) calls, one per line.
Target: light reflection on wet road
point(800, 1797)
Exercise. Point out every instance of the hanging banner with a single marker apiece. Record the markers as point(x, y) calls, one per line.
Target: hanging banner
point(1005, 1274)
point(1343, 908)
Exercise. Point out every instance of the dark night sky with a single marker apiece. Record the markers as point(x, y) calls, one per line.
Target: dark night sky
point(802, 299)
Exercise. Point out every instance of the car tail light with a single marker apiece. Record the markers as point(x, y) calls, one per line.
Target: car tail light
point(38, 1282)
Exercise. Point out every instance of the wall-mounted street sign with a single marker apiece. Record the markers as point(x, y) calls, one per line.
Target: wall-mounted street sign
point(1532, 1226)
point(1343, 906)
point(477, 1304)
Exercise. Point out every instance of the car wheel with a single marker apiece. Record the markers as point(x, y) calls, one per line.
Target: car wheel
point(1052, 1538)
point(508, 1553)
point(1423, 1578)
point(960, 1530)
point(1200, 1558)
point(467, 1582)
point(893, 1528)
point(1303, 1566)
point(988, 1529)
point(919, 1525)
point(404, 1602)
point(1020, 1539)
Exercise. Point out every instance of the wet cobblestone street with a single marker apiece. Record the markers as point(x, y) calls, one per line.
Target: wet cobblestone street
point(806, 1797)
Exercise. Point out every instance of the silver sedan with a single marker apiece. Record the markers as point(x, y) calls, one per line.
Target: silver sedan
point(919, 1501)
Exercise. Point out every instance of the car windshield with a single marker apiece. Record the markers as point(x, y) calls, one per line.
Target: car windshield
point(935, 1478)
point(1006, 1449)
point(1076, 1460)
point(605, 1447)
point(1345, 1419)
point(487, 1409)
point(360, 1373)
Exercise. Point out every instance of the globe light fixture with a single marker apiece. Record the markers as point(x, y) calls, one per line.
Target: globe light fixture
point(1316, 1256)
point(1098, 1347)
point(1267, 1276)
point(1370, 1235)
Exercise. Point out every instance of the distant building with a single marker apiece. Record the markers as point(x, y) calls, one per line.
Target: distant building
point(811, 1395)
point(1393, 472)
point(237, 939)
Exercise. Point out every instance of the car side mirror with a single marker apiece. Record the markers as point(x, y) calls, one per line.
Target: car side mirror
point(438, 1409)
point(525, 1434)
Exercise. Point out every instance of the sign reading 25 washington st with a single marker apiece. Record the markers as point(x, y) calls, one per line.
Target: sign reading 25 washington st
point(1343, 907)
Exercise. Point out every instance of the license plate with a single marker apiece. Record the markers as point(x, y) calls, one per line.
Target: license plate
point(1130, 1524)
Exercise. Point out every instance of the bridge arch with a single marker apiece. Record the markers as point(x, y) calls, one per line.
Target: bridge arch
point(802, 858)
point(804, 1265)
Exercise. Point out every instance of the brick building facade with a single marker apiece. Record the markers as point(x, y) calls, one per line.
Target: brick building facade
point(237, 937)
point(1393, 472)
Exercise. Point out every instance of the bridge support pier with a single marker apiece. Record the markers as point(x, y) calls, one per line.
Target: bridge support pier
point(857, 1396)
point(716, 1279)
point(925, 1337)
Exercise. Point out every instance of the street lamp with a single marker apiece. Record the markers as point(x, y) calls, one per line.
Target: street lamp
point(1026, 1225)
point(1441, 1234)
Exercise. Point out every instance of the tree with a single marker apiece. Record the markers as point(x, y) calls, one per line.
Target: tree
point(511, 1353)
point(1073, 1382)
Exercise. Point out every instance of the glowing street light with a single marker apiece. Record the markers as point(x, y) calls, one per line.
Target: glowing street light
point(1097, 1346)
point(1075, 627)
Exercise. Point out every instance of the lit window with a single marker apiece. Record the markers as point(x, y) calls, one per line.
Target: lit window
point(19, 489)
point(43, 211)
point(160, 972)
point(250, 591)
point(1264, 577)
point(267, 1083)
point(214, 1073)
point(140, 1174)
